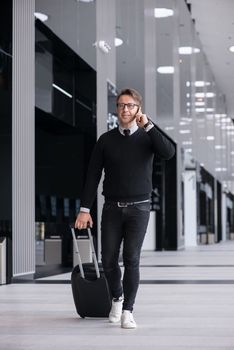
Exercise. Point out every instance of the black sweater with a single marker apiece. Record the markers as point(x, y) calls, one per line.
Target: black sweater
point(127, 164)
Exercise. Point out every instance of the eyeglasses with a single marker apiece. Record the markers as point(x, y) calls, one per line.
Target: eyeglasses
point(130, 106)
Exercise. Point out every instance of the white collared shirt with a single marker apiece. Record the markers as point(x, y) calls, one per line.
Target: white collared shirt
point(133, 129)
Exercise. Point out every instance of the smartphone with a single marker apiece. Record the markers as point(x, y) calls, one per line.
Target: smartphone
point(139, 110)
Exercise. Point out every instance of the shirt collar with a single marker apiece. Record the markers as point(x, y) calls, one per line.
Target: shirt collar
point(132, 129)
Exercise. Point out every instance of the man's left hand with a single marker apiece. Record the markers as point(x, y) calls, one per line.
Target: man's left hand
point(141, 119)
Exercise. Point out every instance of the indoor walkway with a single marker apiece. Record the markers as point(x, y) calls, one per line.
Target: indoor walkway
point(185, 301)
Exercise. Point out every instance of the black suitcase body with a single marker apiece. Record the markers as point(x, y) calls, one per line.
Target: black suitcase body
point(89, 286)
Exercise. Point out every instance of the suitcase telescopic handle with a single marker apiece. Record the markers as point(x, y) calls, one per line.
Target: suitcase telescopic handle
point(93, 253)
point(78, 253)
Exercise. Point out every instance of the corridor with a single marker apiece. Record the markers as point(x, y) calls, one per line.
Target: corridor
point(185, 301)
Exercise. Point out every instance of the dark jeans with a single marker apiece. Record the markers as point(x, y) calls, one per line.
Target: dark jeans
point(129, 225)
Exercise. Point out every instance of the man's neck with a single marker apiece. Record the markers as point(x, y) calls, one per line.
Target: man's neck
point(128, 125)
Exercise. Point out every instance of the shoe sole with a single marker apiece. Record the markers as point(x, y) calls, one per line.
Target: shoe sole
point(128, 327)
point(117, 321)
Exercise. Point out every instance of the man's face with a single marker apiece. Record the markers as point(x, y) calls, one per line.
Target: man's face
point(127, 108)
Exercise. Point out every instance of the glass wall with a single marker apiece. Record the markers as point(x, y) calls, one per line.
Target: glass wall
point(74, 22)
point(65, 125)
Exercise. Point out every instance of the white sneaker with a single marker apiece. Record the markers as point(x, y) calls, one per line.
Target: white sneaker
point(127, 320)
point(116, 311)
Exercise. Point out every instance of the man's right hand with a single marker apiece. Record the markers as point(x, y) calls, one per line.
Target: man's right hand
point(83, 221)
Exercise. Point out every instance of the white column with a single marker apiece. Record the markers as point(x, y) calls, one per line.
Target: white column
point(224, 216)
point(190, 209)
point(23, 124)
point(176, 117)
point(150, 59)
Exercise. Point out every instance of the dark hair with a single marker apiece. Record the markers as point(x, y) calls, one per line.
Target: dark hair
point(130, 92)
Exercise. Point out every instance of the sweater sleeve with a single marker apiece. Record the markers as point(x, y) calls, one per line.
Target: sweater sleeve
point(162, 146)
point(94, 174)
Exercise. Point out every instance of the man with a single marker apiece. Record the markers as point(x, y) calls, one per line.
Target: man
point(126, 155)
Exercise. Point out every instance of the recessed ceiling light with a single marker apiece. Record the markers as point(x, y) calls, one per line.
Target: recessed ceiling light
point(202, 94)
point(227, 127)
point(220, 115)
point(41, 16)
point(226, 120)
point(202, 110)
point(166, 70)
point(188, 50)
point(198, 83)
point(186, 119)
point(199, 104)
point(185, 131)
point(220, 169)
point(220, 147)
point(118, 42)
point(161, 12)
point(231, 48)
point(84, 0)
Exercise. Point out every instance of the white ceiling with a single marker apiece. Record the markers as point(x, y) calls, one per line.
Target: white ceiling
point(214, 22)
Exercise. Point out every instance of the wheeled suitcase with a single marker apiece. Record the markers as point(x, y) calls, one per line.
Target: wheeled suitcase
point(89, 285)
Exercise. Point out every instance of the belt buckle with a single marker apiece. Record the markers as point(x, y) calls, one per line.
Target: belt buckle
point(122, 204)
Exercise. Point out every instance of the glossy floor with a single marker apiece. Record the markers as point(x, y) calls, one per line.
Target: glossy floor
point(185, 301)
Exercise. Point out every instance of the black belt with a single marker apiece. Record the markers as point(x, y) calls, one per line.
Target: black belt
point(126, 204)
